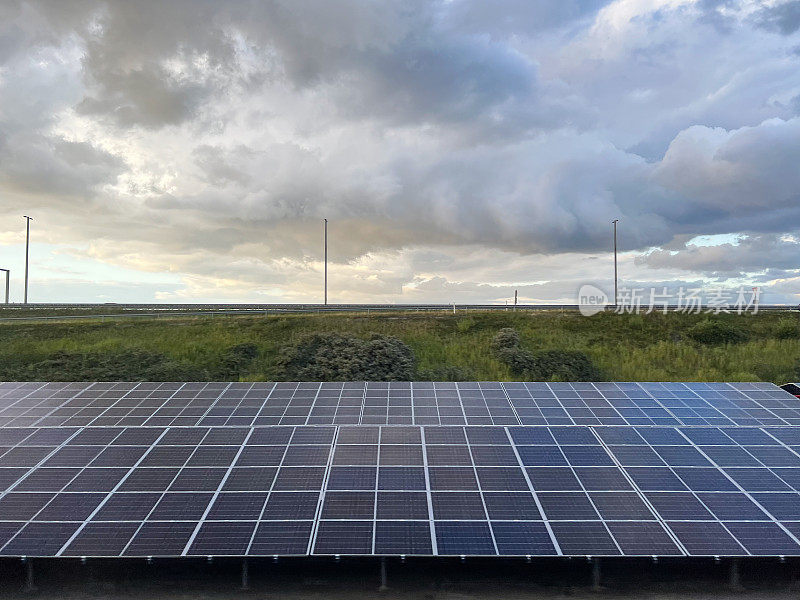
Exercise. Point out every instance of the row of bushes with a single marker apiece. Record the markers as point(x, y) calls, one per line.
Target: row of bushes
point(543, 365)
point(319, 357)
point(130, 365)
point(338, 357)
point(716, 331)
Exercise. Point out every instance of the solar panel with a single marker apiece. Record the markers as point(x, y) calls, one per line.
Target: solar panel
point(233, 405)
point(437, 490)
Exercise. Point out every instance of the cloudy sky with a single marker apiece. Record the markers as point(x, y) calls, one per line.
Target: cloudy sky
point(187, 151)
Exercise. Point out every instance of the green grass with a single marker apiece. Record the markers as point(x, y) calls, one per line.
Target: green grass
point(625, 347)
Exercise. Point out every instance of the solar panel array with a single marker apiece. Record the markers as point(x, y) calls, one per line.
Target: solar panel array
point(403, 403)
point(400, 490)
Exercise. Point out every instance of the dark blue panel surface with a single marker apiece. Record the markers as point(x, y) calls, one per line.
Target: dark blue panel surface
point(706, 538)
point(453, 538)
point(522, 538)
point(764, 538)
point(584, 538)
point(408, 537)
point(344, 537)
point(160, 539)
point(281, 538)
point(647, 538)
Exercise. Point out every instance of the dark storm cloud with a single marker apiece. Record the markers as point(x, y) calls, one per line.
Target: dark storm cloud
point(753, 254)
point(393, 61)
point(127, 46)
point(783, 18)
point(231, 129)
point(38, 165)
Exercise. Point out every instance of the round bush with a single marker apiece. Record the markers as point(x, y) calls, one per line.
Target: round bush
point(505, 338)
point(235, 361)
point(715, 331)
point(787, 329)
point(335, 357)
point(544, 365)
point(565, 365)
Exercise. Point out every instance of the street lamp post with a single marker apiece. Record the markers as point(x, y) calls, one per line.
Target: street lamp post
point(325, 243)
point(616, 296)
point(27, 251)
point(8, 273)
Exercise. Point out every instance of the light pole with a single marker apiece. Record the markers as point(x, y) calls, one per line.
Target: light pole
point(325, 243)
point(8, 273)
point(27, 251)
point(615, 221)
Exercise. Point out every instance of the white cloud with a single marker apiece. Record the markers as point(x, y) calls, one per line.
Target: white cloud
point(455, 151)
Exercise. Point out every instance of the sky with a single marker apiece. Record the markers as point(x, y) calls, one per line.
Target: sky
point(187, 151)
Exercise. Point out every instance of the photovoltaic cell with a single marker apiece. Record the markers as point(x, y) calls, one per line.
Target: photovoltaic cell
point(522, 538)
point(344, 537)
point(180, 507)
point(222, 538)
point(405, 506)
point(403, 537)
point(281, 538)
point(41, 539)
point(464, 538)
point(699, 405)
point(643, 538)
point(70, 507)
point(706, 538)
point(584, 538)
point(160, 539)
point(679, 506)
point(482, 490)
point(291, 505)
point(763, 538)
point(511, 506)
point(101, 539)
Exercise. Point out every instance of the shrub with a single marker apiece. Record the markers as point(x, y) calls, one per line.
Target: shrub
point(335, 357)
point(236, 360)
point(506, 338)
point(387, 358)
point(464, 325)
point(787, 329)
point(713, 332)
point(564, 365)
point(126, 365)
point(764, 371)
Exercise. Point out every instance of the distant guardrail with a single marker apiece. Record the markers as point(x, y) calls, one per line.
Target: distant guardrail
point(193, 310)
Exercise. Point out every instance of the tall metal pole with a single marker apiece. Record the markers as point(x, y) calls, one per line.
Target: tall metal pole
point(326, 261)
point(616, 296)
point(27, 251)
point(8, 274)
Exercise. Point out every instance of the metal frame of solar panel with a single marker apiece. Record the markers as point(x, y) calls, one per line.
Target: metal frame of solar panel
point(396, 403)
point(400, 490)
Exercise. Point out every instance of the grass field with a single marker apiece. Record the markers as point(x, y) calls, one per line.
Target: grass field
point(626, 347)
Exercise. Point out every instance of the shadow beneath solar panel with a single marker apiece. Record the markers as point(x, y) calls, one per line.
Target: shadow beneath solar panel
point(423, 579)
